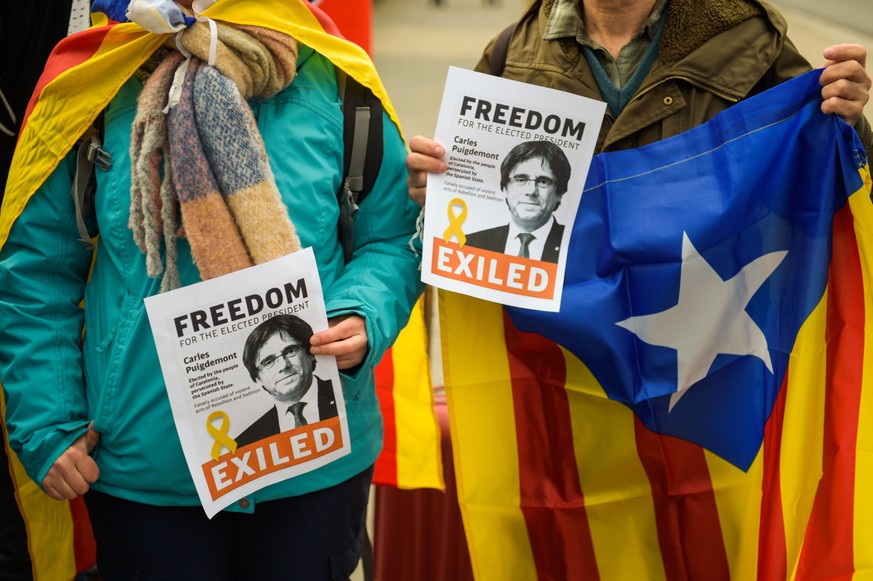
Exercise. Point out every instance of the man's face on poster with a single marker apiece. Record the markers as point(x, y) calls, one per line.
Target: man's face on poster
point(531, 193)
point(285, 367)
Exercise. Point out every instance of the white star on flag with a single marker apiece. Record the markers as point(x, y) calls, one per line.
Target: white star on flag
point(710, 317)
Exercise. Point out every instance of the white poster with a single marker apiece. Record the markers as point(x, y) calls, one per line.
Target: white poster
point(251, 404)
point(498, 222)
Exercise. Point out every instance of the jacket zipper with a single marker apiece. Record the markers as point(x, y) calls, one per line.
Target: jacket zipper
point(728, 98)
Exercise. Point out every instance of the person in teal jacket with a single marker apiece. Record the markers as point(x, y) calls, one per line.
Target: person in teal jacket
point(87, 409)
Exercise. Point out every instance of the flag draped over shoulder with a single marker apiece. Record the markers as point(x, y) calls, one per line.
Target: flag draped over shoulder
point(93, 65)
point(697, 408)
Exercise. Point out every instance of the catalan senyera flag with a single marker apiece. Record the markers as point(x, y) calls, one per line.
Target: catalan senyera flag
point(93, 65)
point(411, 456)
point(700, 408)
point(59, 539)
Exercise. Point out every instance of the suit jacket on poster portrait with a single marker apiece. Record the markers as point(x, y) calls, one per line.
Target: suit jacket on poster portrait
point(268, 424)
point(494, 239)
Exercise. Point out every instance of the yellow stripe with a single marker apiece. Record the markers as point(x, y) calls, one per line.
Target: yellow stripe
point(99, 19)
point(862, 210)
point(803, 430)
point(482, 418)
point(419, 460)
point(58, 121)
point(618, 497)
point(739, 495)
point(48, 522)
point(738, 498)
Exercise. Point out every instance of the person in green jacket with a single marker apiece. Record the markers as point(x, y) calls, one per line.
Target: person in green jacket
point(662, 67)
point(87, 409)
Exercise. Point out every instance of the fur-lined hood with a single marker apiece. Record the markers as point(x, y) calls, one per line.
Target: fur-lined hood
point(695, 25)
point(693, 22)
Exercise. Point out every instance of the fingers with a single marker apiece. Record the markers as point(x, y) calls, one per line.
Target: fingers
point(348, 352)
point(426, 147)
point(416, 187)
point(850, 110)
point(850, 71)
point(845, 82)
point(846, 52)
point(346, 340)
point(74, 471)
point(425, 157)
point(326, 337)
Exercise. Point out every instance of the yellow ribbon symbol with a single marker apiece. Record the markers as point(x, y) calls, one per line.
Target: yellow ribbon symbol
point(456, 221)
point(222, 440)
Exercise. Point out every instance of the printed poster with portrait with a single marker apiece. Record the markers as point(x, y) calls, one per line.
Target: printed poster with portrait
point(498, 222)
point(251, 404)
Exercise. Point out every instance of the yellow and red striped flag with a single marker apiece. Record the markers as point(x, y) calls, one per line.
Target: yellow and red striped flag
point(59, 539)
point(411, 456)
point(701, 406)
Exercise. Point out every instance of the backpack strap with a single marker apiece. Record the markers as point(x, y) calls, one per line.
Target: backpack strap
point(90, 154)
point(501, 45)
point(501, 49)
point(362, 154)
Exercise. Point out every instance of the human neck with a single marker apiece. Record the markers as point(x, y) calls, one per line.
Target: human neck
point(613, 23)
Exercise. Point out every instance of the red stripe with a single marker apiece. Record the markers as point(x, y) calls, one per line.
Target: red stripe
point(689, 533)
point(772, 551)
point(828, 546)
point(69, 52)
point(84, 545)
point(551, 496)
point(386, 464)
point(325, 21)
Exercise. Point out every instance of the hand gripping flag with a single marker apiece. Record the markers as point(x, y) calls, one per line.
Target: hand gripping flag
point(700, 407)
point(93, 65)
point(58, 534)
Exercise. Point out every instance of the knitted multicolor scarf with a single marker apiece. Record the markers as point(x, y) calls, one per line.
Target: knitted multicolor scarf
point(215, 167)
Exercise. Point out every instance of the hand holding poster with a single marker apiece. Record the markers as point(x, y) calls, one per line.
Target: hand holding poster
point(247, 403)
point(517, 157)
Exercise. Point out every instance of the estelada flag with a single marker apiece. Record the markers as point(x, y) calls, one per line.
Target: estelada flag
point(700, 408)
point(93, 65)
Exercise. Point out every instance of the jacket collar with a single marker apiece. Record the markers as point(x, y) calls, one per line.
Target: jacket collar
point(704, 43)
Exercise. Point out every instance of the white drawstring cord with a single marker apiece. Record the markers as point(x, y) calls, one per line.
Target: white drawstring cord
point(175, 92)
point(3, 129)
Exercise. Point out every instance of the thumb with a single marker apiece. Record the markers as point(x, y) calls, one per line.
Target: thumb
point(91, 438)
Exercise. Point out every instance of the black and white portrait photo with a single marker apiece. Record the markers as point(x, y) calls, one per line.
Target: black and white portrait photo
point(277, 357)
point(533, 178)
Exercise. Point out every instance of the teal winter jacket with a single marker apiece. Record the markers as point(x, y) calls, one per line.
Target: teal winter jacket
point(64, 363)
